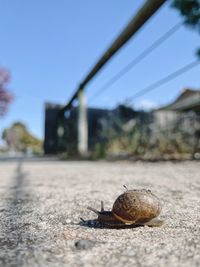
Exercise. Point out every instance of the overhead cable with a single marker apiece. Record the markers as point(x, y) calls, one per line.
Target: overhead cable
point(164, 80)
point(138, 59)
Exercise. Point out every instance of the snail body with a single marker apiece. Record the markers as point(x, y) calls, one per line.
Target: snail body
point(133, 207)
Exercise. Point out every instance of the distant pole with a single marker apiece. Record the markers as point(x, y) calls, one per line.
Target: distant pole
point(82, 124)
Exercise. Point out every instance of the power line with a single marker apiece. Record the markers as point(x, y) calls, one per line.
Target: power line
point(164, 80)
point(138, 59)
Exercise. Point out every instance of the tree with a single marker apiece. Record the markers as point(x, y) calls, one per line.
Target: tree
point(5, 96)
point(190, 9)
point(19, 139)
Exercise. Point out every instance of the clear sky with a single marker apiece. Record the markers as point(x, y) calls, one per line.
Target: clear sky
point(50, 45)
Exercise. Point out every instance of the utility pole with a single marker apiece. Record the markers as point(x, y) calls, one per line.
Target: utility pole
point(82, 124)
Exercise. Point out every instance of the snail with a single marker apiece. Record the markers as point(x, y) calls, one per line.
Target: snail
point(133, 207)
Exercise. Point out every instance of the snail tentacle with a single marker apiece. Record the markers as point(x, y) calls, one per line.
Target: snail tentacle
point(102, 206)
point(125, 187)
point(94, 210)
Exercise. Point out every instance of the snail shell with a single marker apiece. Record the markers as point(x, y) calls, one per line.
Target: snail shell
point(136, 206)
point(133, 207)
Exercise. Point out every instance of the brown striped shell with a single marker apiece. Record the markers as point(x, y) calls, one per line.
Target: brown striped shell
point(136, 206)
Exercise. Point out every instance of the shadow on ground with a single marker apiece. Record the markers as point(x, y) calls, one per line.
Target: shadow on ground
point(14, 220)
point(98, 225)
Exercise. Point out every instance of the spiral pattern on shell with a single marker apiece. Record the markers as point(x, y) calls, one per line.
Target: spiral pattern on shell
point(136, 206)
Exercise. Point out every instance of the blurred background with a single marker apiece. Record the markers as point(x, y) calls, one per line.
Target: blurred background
point(143, 103)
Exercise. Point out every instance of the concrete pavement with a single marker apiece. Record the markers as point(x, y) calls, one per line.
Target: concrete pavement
point(42, 202)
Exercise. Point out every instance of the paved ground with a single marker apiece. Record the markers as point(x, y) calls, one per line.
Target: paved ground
point(41, 203)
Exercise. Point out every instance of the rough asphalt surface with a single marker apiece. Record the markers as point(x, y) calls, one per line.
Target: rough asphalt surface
point(42, 202)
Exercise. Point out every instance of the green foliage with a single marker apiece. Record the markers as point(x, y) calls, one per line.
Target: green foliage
point(198, 52)
point(141, 137)
point(99, 151)
point(19, 139)
point(190, 9)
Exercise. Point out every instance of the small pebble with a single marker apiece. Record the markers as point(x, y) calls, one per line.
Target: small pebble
point(65, 222)
point(84, 244)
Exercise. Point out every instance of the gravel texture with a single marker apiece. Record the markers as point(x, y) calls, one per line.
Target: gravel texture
point(42, 202)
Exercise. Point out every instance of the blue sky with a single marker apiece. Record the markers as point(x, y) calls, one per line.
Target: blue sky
point(50, 45)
